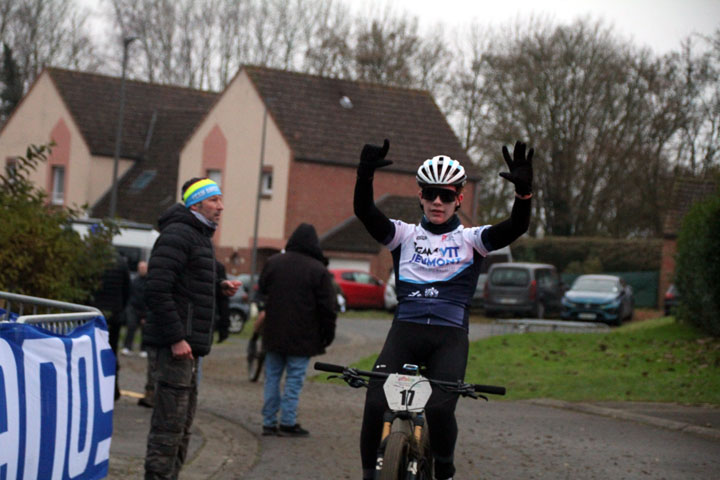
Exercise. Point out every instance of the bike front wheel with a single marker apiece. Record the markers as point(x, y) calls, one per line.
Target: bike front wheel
point(395, 458)
point(255, 366)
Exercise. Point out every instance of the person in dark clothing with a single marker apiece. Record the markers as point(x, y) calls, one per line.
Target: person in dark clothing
point(136, 310)
point(223, 302)
point(299, 322)
point(180, 293)
point(437, 263)
point(111, 298)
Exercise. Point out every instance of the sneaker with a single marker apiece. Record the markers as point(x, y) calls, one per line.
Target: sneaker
point(268, 431)
point(292, 431)
point(143, 354)
point(125, 351)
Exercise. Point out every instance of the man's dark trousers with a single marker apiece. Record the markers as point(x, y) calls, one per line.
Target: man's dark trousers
point(175, 403)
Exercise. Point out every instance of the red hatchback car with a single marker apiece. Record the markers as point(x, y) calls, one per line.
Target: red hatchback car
point(361, 289)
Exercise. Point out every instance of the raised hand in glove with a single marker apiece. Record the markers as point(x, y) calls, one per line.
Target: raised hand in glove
point(372, 157)
point(520, 166)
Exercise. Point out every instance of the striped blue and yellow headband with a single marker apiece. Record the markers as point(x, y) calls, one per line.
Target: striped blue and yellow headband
point(199, 191)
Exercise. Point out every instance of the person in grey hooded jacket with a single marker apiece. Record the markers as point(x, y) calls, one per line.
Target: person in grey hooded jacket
point(299, 322)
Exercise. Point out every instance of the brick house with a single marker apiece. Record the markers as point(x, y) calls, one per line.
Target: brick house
point(290, 140)
point(686, 191)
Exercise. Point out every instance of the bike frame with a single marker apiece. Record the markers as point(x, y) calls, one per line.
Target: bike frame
point(404, 418)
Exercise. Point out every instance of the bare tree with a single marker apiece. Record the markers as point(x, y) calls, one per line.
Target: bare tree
point(698, 145)
point(600, 113)
point(46, 32)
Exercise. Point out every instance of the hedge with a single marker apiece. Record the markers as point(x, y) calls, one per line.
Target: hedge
point(591, 254)
point(697, 267)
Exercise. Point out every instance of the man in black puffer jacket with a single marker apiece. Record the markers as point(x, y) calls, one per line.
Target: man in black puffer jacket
point(180, 293)
point(299, 323)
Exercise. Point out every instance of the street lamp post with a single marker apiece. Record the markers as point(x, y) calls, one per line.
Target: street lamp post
point(118, 135)
point(253, 261)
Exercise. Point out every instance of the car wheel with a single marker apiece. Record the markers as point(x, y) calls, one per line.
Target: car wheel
point(237, 321)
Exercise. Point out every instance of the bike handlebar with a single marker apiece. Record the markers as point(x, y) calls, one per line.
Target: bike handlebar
point(332, 368)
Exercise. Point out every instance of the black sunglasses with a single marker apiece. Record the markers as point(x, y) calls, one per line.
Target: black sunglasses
point(446, 196)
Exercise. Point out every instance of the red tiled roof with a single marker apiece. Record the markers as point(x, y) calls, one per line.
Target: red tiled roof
point(686, 191)
point(318, 128)
point(94, 102)
point(159, 119)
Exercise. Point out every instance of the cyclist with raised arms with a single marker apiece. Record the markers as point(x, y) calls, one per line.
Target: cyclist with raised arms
point(437, 264)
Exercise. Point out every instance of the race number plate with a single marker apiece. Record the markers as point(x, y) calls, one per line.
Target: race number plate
point(407, 392)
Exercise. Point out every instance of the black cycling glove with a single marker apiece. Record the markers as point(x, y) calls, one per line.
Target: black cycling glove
point(521, 171)
point(372, 157)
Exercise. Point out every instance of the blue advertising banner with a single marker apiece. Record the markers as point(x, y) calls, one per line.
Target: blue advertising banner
point(56, 402)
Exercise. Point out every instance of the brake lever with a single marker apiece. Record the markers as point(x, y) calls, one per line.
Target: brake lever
point(355, 382)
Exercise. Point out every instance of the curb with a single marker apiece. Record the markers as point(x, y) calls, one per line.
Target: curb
point(624, 415)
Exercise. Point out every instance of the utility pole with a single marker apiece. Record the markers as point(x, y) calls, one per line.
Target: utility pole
point(118, 135)
point(253, 261)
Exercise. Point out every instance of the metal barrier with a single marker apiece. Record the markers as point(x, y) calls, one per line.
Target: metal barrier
point(503, 326)
point(55, 316)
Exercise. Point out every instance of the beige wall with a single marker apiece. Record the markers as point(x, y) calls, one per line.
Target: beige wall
point(239, 115)
point(41, 110)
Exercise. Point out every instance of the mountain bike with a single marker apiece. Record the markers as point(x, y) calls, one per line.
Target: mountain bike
point(404, 452)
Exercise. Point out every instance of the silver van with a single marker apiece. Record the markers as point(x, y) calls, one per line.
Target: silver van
point(528, 289)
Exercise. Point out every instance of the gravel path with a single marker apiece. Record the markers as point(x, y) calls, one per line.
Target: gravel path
point(498, 439)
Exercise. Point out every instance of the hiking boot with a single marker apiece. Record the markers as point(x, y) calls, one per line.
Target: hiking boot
point(268, 431)
point(292, 431)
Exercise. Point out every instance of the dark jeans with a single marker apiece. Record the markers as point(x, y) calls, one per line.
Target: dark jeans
point(132, 322)
point(175, 404)
point(114, 322)
point(444, 351)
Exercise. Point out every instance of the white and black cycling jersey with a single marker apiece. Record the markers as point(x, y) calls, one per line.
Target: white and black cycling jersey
point(436, 274)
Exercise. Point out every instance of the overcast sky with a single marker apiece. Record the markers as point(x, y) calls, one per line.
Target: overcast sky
point(658, 24)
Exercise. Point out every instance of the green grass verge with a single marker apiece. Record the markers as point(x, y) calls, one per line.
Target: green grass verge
point(656, 360)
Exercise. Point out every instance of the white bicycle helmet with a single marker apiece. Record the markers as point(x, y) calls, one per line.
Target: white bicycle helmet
point(441, 170)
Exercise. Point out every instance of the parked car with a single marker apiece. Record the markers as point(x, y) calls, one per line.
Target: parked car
point(502, 255)
point(478, 298)
point(532, 289)
point(604, 298)
point(477, 302)
point(390, 295)
point(361, 289)
point(239, 308)
point(672, 297)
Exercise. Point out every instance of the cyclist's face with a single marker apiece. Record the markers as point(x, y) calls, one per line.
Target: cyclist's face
point(210, 208)
point(436, 210)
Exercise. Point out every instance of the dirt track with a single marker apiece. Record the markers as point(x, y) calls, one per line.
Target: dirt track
point(497, 439)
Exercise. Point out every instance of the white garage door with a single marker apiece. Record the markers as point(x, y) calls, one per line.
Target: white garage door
point(349, 263)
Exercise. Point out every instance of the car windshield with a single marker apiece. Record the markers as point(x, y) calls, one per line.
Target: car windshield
point(509, 277)
point(601, 285)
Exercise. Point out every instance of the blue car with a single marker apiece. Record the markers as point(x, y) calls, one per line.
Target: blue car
point(601, 298)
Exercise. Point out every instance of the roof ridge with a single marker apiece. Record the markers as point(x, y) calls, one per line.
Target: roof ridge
point(131, 80)
point(337, 79)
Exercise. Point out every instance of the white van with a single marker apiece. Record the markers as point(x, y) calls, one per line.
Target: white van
point(134, 242)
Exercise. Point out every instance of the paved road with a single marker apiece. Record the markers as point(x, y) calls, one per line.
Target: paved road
point(498, 439)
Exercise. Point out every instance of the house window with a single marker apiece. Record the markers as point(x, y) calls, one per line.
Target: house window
point(142, 181)
point(215, 176)
point(57, 196)
point(266, 185)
